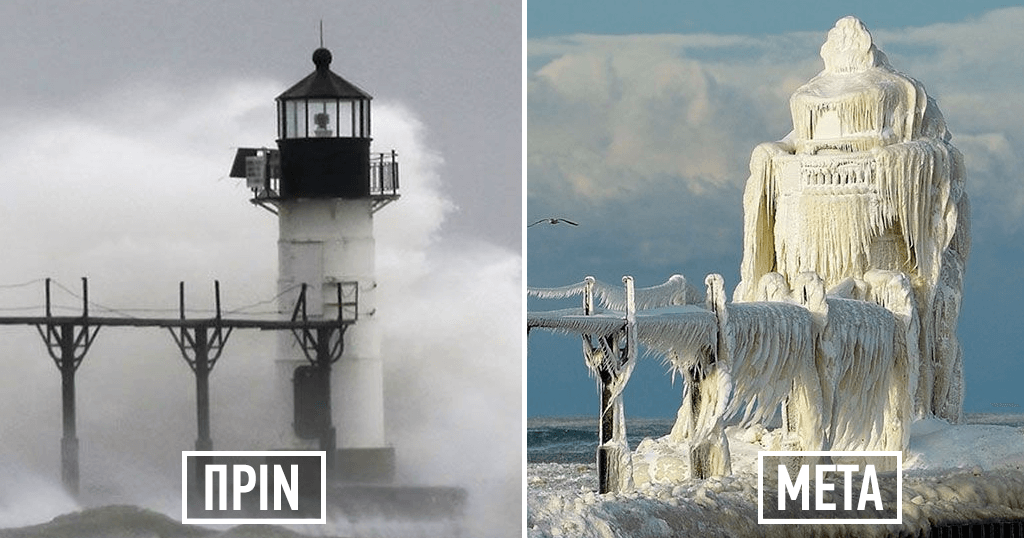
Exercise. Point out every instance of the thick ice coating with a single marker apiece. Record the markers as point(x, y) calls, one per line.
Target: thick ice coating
point(867, 185)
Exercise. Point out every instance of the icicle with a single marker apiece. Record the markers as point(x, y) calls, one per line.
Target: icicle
point(769, 343)
point(866, 339)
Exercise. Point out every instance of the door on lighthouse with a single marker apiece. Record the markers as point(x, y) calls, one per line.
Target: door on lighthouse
point(312, 400)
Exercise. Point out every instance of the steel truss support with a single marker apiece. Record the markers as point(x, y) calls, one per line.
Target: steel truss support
point(201, 342)
point(201, 346)
point(67, 343)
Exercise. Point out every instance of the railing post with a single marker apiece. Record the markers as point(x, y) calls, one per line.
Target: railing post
point(394, 172)
point(613, 472)
point(614, 468)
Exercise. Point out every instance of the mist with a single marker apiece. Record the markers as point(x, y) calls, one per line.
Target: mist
point(137, 199)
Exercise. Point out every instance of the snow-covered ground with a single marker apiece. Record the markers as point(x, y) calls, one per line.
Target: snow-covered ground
point(952, 473)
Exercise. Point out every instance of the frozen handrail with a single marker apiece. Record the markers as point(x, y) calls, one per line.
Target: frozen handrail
point(675, 291)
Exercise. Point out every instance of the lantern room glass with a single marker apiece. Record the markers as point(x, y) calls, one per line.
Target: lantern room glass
point(324, 118)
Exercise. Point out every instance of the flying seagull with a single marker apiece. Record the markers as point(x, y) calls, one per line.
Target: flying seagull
point(554, 221)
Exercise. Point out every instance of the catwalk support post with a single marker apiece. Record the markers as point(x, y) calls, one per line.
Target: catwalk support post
point(201, 345)
point(67, 343)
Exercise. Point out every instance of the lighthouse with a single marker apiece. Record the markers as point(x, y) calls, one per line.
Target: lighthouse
point(324, 185)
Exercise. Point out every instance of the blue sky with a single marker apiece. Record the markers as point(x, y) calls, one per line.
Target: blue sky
point(640, 123)
point(744, 17)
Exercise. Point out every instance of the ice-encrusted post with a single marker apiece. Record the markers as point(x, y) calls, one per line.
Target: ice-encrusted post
point(607, 360)
point(709, 451)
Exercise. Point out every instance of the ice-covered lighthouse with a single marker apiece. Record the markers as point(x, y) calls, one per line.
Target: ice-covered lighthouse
point(324, 185)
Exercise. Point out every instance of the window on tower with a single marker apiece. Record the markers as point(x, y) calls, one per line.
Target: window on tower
point(324, 118)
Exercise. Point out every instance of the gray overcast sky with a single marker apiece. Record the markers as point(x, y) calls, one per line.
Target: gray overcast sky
point(456, 64)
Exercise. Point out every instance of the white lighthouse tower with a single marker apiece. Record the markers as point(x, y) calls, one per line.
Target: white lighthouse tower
point(325, 186)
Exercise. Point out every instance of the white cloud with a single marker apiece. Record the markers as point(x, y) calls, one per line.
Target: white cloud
point(619, 116)
point(614, 120)
point(142, 190)
point(134, 194)
point(405, 229)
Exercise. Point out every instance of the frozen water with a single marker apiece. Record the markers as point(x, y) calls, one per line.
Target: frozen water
point(951, 473)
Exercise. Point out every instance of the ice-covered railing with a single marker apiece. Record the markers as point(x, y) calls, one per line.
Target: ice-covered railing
point(675, 291)
point(667, 317)
point(661, 317)
point(835, 365)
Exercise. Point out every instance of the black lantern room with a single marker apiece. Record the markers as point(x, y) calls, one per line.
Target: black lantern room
point(323, 140)
point(323, 126)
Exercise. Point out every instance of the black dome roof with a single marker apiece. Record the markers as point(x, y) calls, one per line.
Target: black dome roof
point(323, 83)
